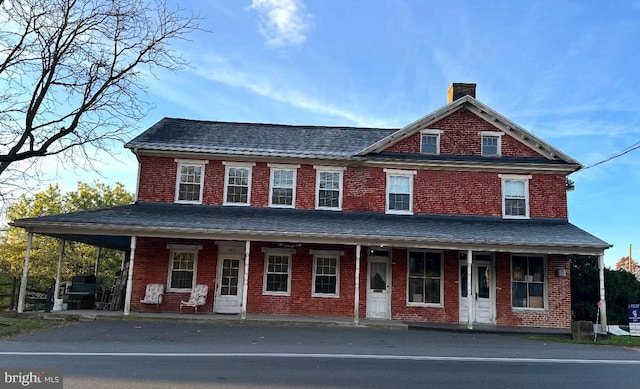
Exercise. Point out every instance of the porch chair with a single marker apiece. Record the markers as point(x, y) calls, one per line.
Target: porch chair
point(198, 297)
point(153, 295)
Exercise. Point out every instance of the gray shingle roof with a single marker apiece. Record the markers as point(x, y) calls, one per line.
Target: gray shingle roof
point(284, 225)
point(257, 139)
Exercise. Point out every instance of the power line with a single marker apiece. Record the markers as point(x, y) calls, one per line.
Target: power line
point(619, 154)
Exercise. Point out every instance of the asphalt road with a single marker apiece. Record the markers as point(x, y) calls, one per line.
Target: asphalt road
point(171, 354)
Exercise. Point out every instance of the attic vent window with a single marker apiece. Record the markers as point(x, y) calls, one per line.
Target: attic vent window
point(491, 143)
point(430, 141)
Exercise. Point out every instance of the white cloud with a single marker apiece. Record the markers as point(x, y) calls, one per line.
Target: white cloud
point(282, 22)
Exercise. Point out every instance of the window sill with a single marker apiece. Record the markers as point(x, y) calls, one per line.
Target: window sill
point(281, 294)
point(236, 204)
point(516, 217)
point(425, 305)
point(188, 202)
point(281, 206)
point(526, 309)
point(328, 209)
point(173, 290)
point(329, 296)
point(392, 212)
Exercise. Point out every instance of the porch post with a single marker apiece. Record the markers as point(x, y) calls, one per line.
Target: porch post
point(469, 290)
point(56, 292)
point(127, 297)
point(95, 269)
point(25, 270)
point(602, 306)
point(356, 298)
point(245, 280)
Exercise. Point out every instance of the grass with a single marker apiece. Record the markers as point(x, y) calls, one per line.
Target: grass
point(10, 327)
point(622, 341)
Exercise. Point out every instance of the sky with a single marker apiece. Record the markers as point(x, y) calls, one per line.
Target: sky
point(566, 71)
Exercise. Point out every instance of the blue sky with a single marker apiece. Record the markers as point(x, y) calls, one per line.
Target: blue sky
point(567, 71)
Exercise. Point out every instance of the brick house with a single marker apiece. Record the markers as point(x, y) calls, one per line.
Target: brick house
point(458, 217)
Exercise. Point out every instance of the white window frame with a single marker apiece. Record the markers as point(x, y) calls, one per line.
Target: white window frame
point(237, 165)
point(281, 253)
point(325, 254)
point(291, 168)
point(491, 134)
point(329, 169)
point(180, 248)
point(545, 283)
point(430, 132)
point(426, 304)
point(187, 163)
point(399, 173)
point(515, 177)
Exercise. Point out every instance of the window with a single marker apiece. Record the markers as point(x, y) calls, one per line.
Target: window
point(491, 143)
point(425, 278)
point(328, 188)
point(189, 182)
point(527, 282)
point(182, 267)
point(277, 270)
point(515, 196)
point(399, 191)
point(430, 141)
point(283, 186)
point(237, 184)
point(326, 274)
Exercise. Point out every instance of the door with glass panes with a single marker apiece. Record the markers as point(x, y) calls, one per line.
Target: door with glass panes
point(482, 290)
point(228, 297)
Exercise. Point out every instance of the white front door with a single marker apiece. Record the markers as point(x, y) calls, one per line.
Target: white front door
point(378, 288)
point(228, 298)
point(482, 292)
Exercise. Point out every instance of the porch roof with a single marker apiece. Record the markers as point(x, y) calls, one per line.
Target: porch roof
point(114, 226)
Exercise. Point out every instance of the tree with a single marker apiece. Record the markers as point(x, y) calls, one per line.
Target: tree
point(629, 265)
point(72, 75)
point(79, 258)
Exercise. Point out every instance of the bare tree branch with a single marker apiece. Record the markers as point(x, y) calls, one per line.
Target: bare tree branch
point(72, 73)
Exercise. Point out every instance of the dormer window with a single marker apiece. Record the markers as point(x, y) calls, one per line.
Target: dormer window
point(491, 143)
point(430, 141)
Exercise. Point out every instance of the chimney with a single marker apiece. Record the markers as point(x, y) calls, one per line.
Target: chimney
point(460, 89)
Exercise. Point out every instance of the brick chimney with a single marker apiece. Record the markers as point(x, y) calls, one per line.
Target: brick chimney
point(459, 89)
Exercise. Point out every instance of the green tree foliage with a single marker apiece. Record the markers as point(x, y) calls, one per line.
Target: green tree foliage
point(79, 258)
point(621, 289)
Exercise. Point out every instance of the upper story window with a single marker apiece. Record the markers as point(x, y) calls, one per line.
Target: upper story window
point(515, 196)
point(283, 186)
point(425, 278)
point(237, 183)
point(190, 181)
point(430, 141)
point(400, 191)
point(329, 187)
point(491, 143)
point(183, 261)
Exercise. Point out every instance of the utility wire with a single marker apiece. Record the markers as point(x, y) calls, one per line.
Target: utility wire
point(619, 154)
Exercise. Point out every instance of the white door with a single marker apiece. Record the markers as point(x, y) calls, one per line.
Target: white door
point(482, 293)
point(228, 296)
point(378, 288)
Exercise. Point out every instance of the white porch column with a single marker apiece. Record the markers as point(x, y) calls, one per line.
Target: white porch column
point(95, 269)
point(56, 292)
point(356, 297)
point(127, 297)
point(602, 306)
point(470, 300)
point(245, 280)
point(25, 270)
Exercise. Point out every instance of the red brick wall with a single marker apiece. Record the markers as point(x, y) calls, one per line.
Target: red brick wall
point(558, 309)
point(461, 136)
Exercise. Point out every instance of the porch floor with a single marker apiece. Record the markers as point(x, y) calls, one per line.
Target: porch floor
point(90, 314)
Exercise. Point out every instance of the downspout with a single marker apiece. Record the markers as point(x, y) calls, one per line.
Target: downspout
point(25, 270)
point(602, 305)
point(245, 280)
point(469, 290)
point(356, 297)
point(127, 298)
point(56, 292)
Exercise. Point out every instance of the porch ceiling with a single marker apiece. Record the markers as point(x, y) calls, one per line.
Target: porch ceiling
point(114, 226)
